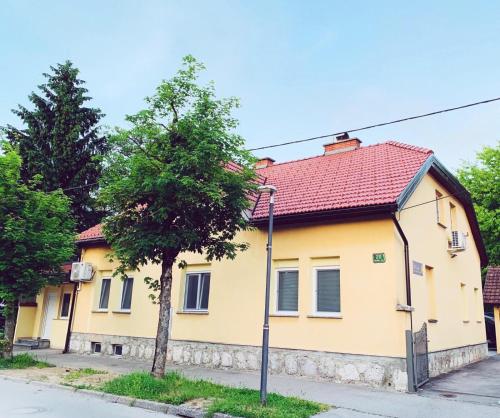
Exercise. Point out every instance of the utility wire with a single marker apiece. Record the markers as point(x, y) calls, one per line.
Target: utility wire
point(437, 112)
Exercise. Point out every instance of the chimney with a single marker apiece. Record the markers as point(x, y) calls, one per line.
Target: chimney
point(342, 143)
point(264, 162)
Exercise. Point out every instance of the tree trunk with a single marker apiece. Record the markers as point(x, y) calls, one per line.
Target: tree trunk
point(10, 328)
point(160, 358)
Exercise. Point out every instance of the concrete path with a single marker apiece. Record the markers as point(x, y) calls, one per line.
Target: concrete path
point(350, 400)
point(20, 399)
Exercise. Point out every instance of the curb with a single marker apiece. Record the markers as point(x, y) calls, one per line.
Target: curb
point(179, 410)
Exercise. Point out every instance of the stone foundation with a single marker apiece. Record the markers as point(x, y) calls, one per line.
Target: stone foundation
point(387, 372)
point(447, 360)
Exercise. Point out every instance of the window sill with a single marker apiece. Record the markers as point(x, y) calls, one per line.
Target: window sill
point(100, 311)
point(465, 321)
point(442, 225)
point(122, 311)
point(192, 312)
point(479, 322)
point(61, 319)
point(432, 321)
point(285, 314)
point(326, 315)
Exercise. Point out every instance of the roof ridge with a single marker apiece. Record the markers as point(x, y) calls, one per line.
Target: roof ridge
point(390, 142)
point(410, 147)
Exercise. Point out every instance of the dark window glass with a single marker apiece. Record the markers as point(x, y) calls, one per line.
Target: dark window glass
point(328, 290)
point(205, 290)
point(117, 350)
point(66, 301)
point(128, 283)
point(104, 300)
point(192, 291)
point(288, 290)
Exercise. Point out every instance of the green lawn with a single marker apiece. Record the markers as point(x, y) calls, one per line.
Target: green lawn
point(22, 361)
point(176, 389)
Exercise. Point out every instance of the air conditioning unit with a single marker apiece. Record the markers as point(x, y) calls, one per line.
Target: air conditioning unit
point(458, 241)
point(81, 272)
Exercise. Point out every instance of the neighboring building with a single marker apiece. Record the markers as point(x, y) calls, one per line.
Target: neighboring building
point(340, 294)
point(492, 297)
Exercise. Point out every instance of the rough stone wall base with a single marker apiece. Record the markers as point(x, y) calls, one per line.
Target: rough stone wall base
point(374, 371)
point(447, 360)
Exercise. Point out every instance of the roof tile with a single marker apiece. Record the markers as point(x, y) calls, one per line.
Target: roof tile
point(491, 292)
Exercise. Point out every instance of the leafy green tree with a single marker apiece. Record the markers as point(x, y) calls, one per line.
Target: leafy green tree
point(482, 179)
point(36, 237)
point(61, 140)
point(178, 180)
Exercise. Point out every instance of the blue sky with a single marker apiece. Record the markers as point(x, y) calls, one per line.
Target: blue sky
point(300, 68)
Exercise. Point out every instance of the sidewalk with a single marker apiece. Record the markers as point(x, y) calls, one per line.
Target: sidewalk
point(349, 400)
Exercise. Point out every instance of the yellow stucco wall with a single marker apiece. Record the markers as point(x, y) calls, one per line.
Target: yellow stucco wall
point(25, 322)
point(369, 293)
point(454, 284)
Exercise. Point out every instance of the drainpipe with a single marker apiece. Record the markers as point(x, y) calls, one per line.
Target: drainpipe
point(71, 312)
point(410, 355)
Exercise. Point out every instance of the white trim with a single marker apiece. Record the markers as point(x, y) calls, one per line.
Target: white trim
point(315, 312)
point(198, 291)
point(62, 304)
point(100, 295)
point(276, 291)
point(122, 309)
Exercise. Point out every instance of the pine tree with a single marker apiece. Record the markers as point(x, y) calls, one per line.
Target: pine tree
point(61, 139)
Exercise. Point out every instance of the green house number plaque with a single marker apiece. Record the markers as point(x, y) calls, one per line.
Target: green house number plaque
point(379, 257)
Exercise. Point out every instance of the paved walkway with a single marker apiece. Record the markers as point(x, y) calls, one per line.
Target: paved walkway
point(349, 400)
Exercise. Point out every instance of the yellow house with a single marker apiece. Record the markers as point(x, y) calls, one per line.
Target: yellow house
point(371, 245)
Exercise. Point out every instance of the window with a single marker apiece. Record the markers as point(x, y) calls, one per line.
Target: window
point(465, 306)
point(95, 347)
point(117, 349)
point(65, 303)
point(288, 290)
point(327, 286)
point(453, 217)
point(104, 299)
point(128, 284)
point(440, 208)
point(431, 294)
point(197, 291)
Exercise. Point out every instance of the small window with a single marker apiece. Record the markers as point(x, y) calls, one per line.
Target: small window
point(465, 305)
point(288, 291)
point(117, 349)
point(104, 299)
point(128, 284)
point(197, 291)
point(65, 303)
point(453, 217)
point(96, 347)
point(328, 290)
point(440, 208)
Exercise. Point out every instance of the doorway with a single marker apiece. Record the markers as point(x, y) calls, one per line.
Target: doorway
point(49, 313)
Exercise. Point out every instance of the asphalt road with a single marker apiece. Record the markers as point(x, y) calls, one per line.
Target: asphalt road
point(21, 399)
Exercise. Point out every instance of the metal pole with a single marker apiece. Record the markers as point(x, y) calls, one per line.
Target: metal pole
point(265, 328)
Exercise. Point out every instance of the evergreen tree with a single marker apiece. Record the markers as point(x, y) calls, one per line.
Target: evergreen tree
point(62, 141)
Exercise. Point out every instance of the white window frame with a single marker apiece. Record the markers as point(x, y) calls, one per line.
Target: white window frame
point(109, 295)
point(315, 292)
point(277, 289)
point(198, 293)
point(121, 298)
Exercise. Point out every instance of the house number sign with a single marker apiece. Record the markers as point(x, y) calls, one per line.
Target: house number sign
point(379, 257)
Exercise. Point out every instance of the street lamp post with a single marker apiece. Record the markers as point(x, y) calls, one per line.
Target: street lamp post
point(265, 329)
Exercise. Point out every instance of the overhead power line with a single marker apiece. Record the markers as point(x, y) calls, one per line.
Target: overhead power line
point(377, 125)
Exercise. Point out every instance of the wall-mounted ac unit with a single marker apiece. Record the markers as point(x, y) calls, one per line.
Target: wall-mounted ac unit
point(81, 272)
point(458, 241)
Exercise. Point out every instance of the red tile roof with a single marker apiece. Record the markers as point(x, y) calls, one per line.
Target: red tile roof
point(372, 175)
point(91, 234)
point(491, 292)
point(367, 176)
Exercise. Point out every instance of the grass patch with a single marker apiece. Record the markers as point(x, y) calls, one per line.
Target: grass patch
point(176, 389)
point(78, 374)
point(23, 361)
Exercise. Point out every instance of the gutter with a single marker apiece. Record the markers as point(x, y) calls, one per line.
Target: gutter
point(407, 266)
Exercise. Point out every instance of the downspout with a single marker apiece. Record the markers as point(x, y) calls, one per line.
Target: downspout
point(71, 312)
point(407, 266)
